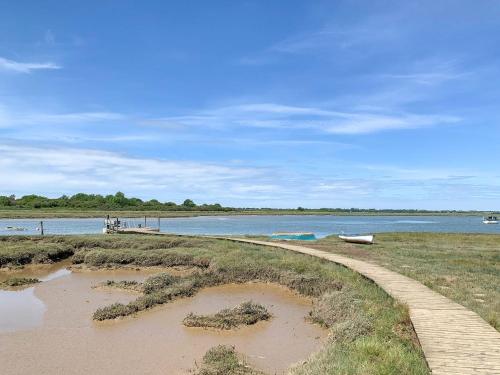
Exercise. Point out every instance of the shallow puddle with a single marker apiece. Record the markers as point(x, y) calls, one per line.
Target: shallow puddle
point(48, 329)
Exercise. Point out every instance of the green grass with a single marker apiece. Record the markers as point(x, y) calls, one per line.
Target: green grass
point(372, 336)
point(246, 313)
point(462, 267)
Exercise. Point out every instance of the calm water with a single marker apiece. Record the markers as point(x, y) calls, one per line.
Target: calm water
point(49, 326)
point(265, 225)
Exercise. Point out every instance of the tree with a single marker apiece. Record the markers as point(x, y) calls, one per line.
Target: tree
point(4, 201)
point(188, 203)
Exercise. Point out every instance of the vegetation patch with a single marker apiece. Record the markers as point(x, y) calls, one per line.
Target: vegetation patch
point(24, 250)
point(246, 313)
point(223, 360)
point(374, 337)
point(462, 267)
point(18, 281)
point(163, 288)
point(122, 285)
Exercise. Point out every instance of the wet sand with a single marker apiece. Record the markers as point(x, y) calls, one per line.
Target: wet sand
point(58, 336)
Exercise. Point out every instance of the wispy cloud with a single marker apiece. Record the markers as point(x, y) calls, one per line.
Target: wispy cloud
point(331, 38)
point(373, 123)
point(24, 67)
point(10, 118)
point(430, 72)
point(278, 116)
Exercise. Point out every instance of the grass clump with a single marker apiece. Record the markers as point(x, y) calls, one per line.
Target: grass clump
point(123, 284)
point(223, 360)
point(158, 282)
point(246, 313)
point(18, 281)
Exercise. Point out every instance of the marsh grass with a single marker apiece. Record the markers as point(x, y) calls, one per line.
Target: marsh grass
point(246, 313)
point(462, 267)
point(163, 288)
point(132, 285)
point(373, 338)
point(18, 281)
point(21, 250)
point(223, 360)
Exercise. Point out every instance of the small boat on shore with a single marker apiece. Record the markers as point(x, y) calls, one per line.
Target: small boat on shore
point(365, 240)
point(302, 236)
point(491, 219)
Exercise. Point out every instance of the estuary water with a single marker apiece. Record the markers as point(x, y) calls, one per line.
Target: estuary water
point(321, 225)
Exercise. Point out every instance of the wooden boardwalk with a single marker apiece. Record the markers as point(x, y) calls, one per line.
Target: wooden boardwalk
point(455, 341)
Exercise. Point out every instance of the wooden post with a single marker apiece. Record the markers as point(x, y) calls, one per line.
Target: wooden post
point(158, 223)
point(145, 224)
point(41, 228)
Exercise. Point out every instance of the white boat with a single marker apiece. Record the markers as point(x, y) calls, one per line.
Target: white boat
point(490, 220)
point(368, 239)
point(17, 229)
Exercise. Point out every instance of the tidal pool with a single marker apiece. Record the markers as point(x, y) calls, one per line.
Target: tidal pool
point(59, 336)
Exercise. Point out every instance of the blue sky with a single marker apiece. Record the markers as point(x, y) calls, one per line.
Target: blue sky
point(382, 104)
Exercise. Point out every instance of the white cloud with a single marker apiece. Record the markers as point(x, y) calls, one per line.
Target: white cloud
point(56, 171)
point(369, 123)
point(73, 169)
point(22, 67)
point(278, 116)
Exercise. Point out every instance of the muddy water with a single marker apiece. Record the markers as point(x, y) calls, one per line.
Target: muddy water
point(49, 329)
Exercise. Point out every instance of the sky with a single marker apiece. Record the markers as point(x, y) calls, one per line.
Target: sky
point(372, 104)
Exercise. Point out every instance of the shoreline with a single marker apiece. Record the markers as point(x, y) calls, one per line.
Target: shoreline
point(48, 214)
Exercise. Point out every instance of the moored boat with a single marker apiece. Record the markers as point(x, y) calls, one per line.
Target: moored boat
point(119, 226)
point(367, 240)
point(17, 229)
point(491, 219)
point(303, 236)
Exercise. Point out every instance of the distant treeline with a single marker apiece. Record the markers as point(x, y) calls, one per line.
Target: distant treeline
point(118, 201)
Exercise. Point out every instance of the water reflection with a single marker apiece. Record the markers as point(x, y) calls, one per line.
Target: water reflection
point(20, 309)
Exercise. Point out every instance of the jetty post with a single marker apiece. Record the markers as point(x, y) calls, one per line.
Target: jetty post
point(145, 224)
point(41, 228)
point(158, 223)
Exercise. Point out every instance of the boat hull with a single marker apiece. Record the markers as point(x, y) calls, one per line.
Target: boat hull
point(365, 240)
point(490, 221)
point(293, 236)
